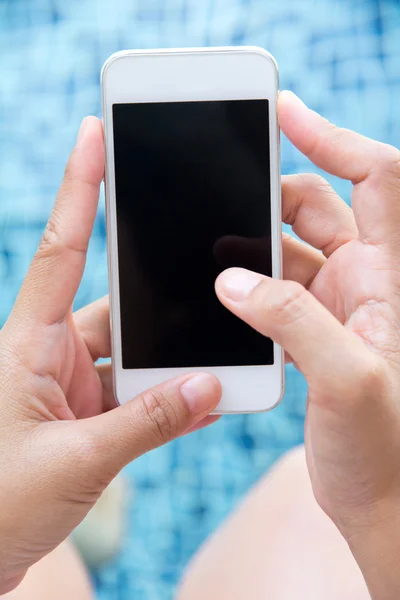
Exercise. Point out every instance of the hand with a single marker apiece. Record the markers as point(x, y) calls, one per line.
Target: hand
point(339, 320)
point(61, 438)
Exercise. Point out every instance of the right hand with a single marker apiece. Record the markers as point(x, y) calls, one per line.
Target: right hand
point(339, 320)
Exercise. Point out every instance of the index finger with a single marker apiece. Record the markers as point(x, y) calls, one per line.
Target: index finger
point(338, 151)
point(56, 270)
point(373, 167)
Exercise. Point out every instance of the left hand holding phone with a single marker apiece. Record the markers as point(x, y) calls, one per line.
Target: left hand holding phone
point(62, 439)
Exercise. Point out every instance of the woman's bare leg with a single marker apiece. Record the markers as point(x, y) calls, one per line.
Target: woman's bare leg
point(59, 576)
point(278, 545)
point(62, 575)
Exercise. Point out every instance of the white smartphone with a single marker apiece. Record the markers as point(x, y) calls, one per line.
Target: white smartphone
point(192, 187)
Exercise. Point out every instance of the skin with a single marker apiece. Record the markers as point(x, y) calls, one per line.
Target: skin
point(340, 324)
point(277, 544)
point(336, 314)
point(61, 438)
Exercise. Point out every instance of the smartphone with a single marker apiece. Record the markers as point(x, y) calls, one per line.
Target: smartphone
point(192, 187)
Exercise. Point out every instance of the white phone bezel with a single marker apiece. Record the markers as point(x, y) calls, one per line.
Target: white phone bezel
point(174, 75)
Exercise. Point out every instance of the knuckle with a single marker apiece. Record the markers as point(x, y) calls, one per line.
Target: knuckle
point(388, 162)
point(366, 383)
point(288, 306)
point(333, 135)
point(56, 241)
point(50, 240)
point(370, 378)
point(159, 411)
point(335, 132)
point(315, 180)
point(292, 302)
point(69, 174)
point(82, 455)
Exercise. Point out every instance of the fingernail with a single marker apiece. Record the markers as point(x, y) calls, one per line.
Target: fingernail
point(81, 133)
point(237, 284)
point(199, 393)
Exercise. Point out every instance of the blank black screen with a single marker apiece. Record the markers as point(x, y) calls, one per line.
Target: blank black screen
point(192, 198)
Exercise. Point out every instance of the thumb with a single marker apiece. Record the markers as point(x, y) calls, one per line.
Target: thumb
point(152, 419)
